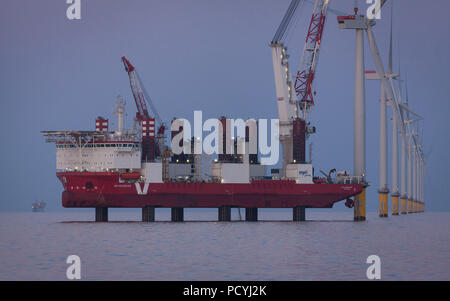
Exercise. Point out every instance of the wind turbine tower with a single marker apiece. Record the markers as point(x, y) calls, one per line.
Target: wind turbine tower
point(359, 24)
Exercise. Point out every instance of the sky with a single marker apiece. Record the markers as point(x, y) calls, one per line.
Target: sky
point(209, 55)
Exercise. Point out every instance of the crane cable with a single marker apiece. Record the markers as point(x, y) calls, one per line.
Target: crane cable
point(149, 100)
point(286, 22)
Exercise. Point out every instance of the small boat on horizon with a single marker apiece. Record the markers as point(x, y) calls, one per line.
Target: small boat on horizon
point(38, 206)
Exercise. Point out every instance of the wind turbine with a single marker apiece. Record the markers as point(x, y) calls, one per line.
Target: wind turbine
point(395, 119)
point(403, 159)
point(383, 189)
point(416, 158)
point(361, 23)
point(403, 194)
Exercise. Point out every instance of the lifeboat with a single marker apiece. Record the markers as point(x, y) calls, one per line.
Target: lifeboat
point(135, 175)
point(320, 181)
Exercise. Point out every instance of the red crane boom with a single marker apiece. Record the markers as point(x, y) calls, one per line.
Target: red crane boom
point(136, 89)
point(308, 63)
point(150, 147)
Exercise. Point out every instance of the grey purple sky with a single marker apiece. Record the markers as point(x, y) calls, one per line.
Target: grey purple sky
point(209, 55)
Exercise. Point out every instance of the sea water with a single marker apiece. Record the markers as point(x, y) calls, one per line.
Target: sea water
point(328, 246)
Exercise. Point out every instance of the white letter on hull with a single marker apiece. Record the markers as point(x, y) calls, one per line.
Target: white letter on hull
point(139, 190)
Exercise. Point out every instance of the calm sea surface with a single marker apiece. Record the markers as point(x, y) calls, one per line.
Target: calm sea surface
point(34, 246)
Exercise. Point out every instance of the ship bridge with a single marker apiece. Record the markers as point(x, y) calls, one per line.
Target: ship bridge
point(94, 150)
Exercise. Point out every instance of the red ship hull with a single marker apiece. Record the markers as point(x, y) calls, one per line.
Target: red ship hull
point(104, 189)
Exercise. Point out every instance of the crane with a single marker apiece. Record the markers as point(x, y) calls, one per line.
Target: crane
point(308, 62)
point(296, 98)
point(284, 86)
point(150, 147)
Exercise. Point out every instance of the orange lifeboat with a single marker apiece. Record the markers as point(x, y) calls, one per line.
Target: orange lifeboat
point(130, 175)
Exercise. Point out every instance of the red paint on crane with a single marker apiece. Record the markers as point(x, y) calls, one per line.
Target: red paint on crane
point(305, 76)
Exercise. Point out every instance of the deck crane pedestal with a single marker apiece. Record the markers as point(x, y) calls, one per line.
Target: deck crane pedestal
point(152, 146)
point(295, 99)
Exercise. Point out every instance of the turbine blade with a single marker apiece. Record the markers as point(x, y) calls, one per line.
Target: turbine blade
point(406, 88)
point(390, 42)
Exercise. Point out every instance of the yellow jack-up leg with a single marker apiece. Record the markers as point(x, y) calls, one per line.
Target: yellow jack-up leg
point(359, 210)
point(395, 204)
point(403, 204)
point(383, 197)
